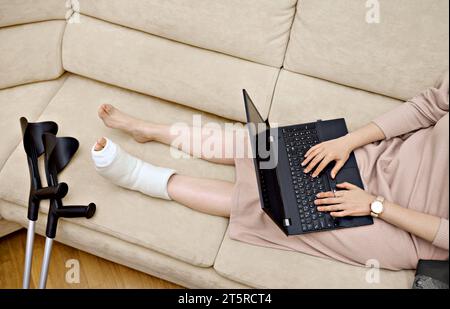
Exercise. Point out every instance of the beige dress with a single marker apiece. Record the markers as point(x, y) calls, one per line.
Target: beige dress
point(410, 168)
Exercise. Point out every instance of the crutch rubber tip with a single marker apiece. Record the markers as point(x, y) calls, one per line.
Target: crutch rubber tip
point(90, 210)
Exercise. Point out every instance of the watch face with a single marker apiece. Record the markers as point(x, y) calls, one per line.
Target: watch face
point(376, 207)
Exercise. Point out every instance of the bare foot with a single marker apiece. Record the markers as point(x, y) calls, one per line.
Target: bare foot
point(101, 143)
point(114, 118)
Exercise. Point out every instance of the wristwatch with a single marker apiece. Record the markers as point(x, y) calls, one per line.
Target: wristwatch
point(376, 208)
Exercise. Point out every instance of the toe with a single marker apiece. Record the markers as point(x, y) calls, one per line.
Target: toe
point(101, 143)
point(102, 111)
point(108, 108)
point(98, 147)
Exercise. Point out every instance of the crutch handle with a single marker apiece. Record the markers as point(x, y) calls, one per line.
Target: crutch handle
point(59, 191)
point(77, 211)
point(56, 212)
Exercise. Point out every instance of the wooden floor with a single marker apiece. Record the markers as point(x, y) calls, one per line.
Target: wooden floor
point(94, 272)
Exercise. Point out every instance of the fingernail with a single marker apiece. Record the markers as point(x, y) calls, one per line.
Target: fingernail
point(303, 164)
point(316, 202)
point(318, 194)
point(305, 171)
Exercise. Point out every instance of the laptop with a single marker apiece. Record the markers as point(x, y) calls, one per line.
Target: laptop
point(286, 193)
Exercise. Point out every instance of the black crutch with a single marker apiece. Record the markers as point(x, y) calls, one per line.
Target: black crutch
point(34, 148)
point(39, 138)
point(58, 153)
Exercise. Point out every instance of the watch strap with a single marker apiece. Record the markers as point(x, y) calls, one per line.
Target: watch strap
point(380, 199)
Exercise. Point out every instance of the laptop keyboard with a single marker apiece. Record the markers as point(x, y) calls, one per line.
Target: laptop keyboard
point(298, 140)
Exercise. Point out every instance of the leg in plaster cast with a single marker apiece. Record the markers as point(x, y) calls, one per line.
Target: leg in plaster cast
point(205, 195)
point(128, 171)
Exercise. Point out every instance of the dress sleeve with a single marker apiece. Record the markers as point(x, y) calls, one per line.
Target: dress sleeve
point(419, 112)
point(441, 238)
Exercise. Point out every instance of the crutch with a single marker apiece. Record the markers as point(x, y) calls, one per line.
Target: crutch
point(58, 153)
point(34, 148)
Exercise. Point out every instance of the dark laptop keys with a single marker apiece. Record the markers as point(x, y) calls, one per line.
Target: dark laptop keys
point(298, 140)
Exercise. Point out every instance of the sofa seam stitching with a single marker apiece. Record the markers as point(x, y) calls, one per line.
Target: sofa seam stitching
point(31, 23)
point(282, 63)
point(272, 93)
point(290, 33)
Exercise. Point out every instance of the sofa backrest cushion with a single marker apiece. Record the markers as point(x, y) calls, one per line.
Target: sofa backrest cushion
point(170, 70)
point(16, 12)
point(30, 52)
point(341, 41)
point(256, 30)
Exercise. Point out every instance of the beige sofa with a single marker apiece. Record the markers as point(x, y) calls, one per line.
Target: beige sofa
point(165, 61)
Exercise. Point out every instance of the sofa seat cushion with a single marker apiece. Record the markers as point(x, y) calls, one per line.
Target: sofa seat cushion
point(299, 98)
point(395, 48)
point(15, 12)
point(272, 268)
point(195, 77)
point(160, 225)
point(256, 30)
point(31, 53)
point(22, 101)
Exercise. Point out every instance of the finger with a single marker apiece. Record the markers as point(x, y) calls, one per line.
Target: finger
point(328, 201)
point(319, 157)
point(335, 207)
point(321, 166)
point(339, 214)
point(331, 194)
point(337, 167)
point(312, 149)
point(311, 156)
point(346, 185)
point(325, 194)
point(340, 193)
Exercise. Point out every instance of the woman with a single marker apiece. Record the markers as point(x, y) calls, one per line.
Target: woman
point(402, 156)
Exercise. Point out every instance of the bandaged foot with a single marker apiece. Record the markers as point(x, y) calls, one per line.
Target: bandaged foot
point(129, 172)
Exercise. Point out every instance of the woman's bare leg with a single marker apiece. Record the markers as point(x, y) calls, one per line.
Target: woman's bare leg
point(142, 131)
point(205, 195)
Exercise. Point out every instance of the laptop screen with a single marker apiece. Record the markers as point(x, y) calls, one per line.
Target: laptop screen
point(270, 198)
point(256, 125)
point(253, 115)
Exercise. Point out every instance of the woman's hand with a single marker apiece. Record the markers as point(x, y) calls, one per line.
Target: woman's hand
point(351, 201)
point(322, 154)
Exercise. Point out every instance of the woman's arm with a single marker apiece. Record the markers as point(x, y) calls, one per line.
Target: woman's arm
point(421, 111)
point(422, 225)
point(339, 149)
point(353, 201)
point(370, 133)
